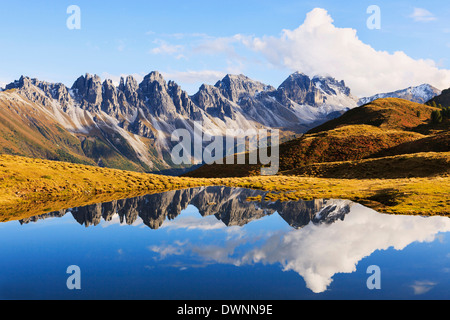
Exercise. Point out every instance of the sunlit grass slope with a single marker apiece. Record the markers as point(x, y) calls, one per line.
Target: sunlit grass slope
point(30, 187)
point(27, 183)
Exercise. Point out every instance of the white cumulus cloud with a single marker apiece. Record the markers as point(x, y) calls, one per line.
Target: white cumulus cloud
point(316, 47)
point(318, 253)
point(319, 47)
point(315, 252)
point(166, 48)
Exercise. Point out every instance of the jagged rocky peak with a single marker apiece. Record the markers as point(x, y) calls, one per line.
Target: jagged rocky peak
point(212, 101)
point(25, 83)
point(330, 85)
point(128, 91)
point(109, 97)
point(299, 79)
point(316, 91)
point(41, 91)
point(152, 83)
point(206, 96)
point(129, 84)
point(122, 84)
point(234, 87)
point(155, 93)
point(183, 103)
point(60, 92)
point(89, 88)
point(95, 95)
point(299, 88)
point(109, 88)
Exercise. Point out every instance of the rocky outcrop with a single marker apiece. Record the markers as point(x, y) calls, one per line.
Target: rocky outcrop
point(129, 88)
point(183, 103)
point(300, 89)
point(88, 90)
point(210, 99)
point(42, 92)
point(109, 98)
point(236, 87)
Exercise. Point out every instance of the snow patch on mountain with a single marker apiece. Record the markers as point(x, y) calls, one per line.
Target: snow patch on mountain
point(419, 94)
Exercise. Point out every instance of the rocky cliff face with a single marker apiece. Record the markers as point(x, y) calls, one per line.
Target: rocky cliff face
point(236, 87)
point(300, 89)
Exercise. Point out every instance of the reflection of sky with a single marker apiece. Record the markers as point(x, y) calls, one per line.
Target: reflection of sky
point(318, 252)
point(199, 257)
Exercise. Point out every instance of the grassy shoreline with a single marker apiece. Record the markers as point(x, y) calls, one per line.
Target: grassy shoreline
point(30, 187)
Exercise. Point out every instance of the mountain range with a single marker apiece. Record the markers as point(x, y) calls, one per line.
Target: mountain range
point(129, 126)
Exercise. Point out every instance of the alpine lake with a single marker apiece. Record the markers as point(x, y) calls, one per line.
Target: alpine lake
point(212, 243)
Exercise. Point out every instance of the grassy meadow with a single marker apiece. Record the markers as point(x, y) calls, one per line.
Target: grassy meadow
point(30, 187)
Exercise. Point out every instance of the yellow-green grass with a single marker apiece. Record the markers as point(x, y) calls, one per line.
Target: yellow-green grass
point(387, 114)
point(33, 185)
point(30, 187)
point(424, 164)
point(413, 196)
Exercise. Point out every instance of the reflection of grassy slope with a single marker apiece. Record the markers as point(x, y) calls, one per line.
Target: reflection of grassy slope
point(30, 187)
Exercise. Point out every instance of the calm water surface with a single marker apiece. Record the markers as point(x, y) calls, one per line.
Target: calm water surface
point(210, 243)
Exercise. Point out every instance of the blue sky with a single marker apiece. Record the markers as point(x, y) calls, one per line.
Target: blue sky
point(199, 41)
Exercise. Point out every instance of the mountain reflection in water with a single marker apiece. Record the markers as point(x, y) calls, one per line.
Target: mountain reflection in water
point(325, 237)
point(229, 205)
